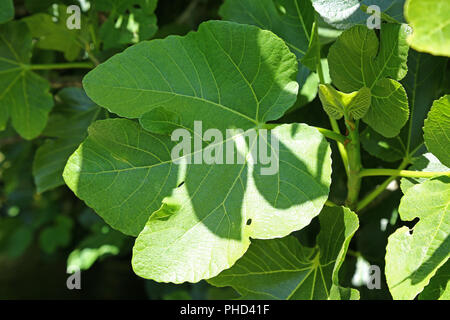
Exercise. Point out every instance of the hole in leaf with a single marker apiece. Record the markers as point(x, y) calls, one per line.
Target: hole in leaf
point(249, 222)
point(411, 225)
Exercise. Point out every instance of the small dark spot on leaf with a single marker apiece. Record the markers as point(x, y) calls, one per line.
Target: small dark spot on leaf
point(249, 222)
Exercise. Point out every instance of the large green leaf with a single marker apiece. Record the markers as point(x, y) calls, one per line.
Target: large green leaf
point(412, 259)
point(204, 70)
point(67, 126)
point(126, 173)
point(422, 84)
point(195, 234)
point(430, 21)
point(357, 60)
point(437, 129)
point(6, 10)
point(24, 96)
point(284, 269)
point(344, 14)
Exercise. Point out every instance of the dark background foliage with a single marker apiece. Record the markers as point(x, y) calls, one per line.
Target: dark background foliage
point(29, 267)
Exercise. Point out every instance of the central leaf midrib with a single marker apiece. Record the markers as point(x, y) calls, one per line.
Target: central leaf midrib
point(162, 162)
point(188, 97)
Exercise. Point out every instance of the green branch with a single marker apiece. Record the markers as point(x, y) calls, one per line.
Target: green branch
point(354, 164)
point(378, 190)
point(401, 173)
point(341, 146)
point(55, 66)
point(332, 135)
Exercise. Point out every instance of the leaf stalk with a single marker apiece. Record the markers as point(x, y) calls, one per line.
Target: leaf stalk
point(401, 173)
point(354, 164)
point(58, 66)
point(332, 135)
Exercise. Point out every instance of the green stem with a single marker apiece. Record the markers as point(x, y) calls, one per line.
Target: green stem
point(378, 190)
point(87, 47)
point(341, 146)
point(394, 173)
point(332, 135)
point(401, 173)
point(333, 122)
point(54, 66)
point(354, 164)
point(329, 203)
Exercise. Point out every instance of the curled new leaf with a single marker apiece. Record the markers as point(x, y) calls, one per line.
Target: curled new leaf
point(351, 105)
